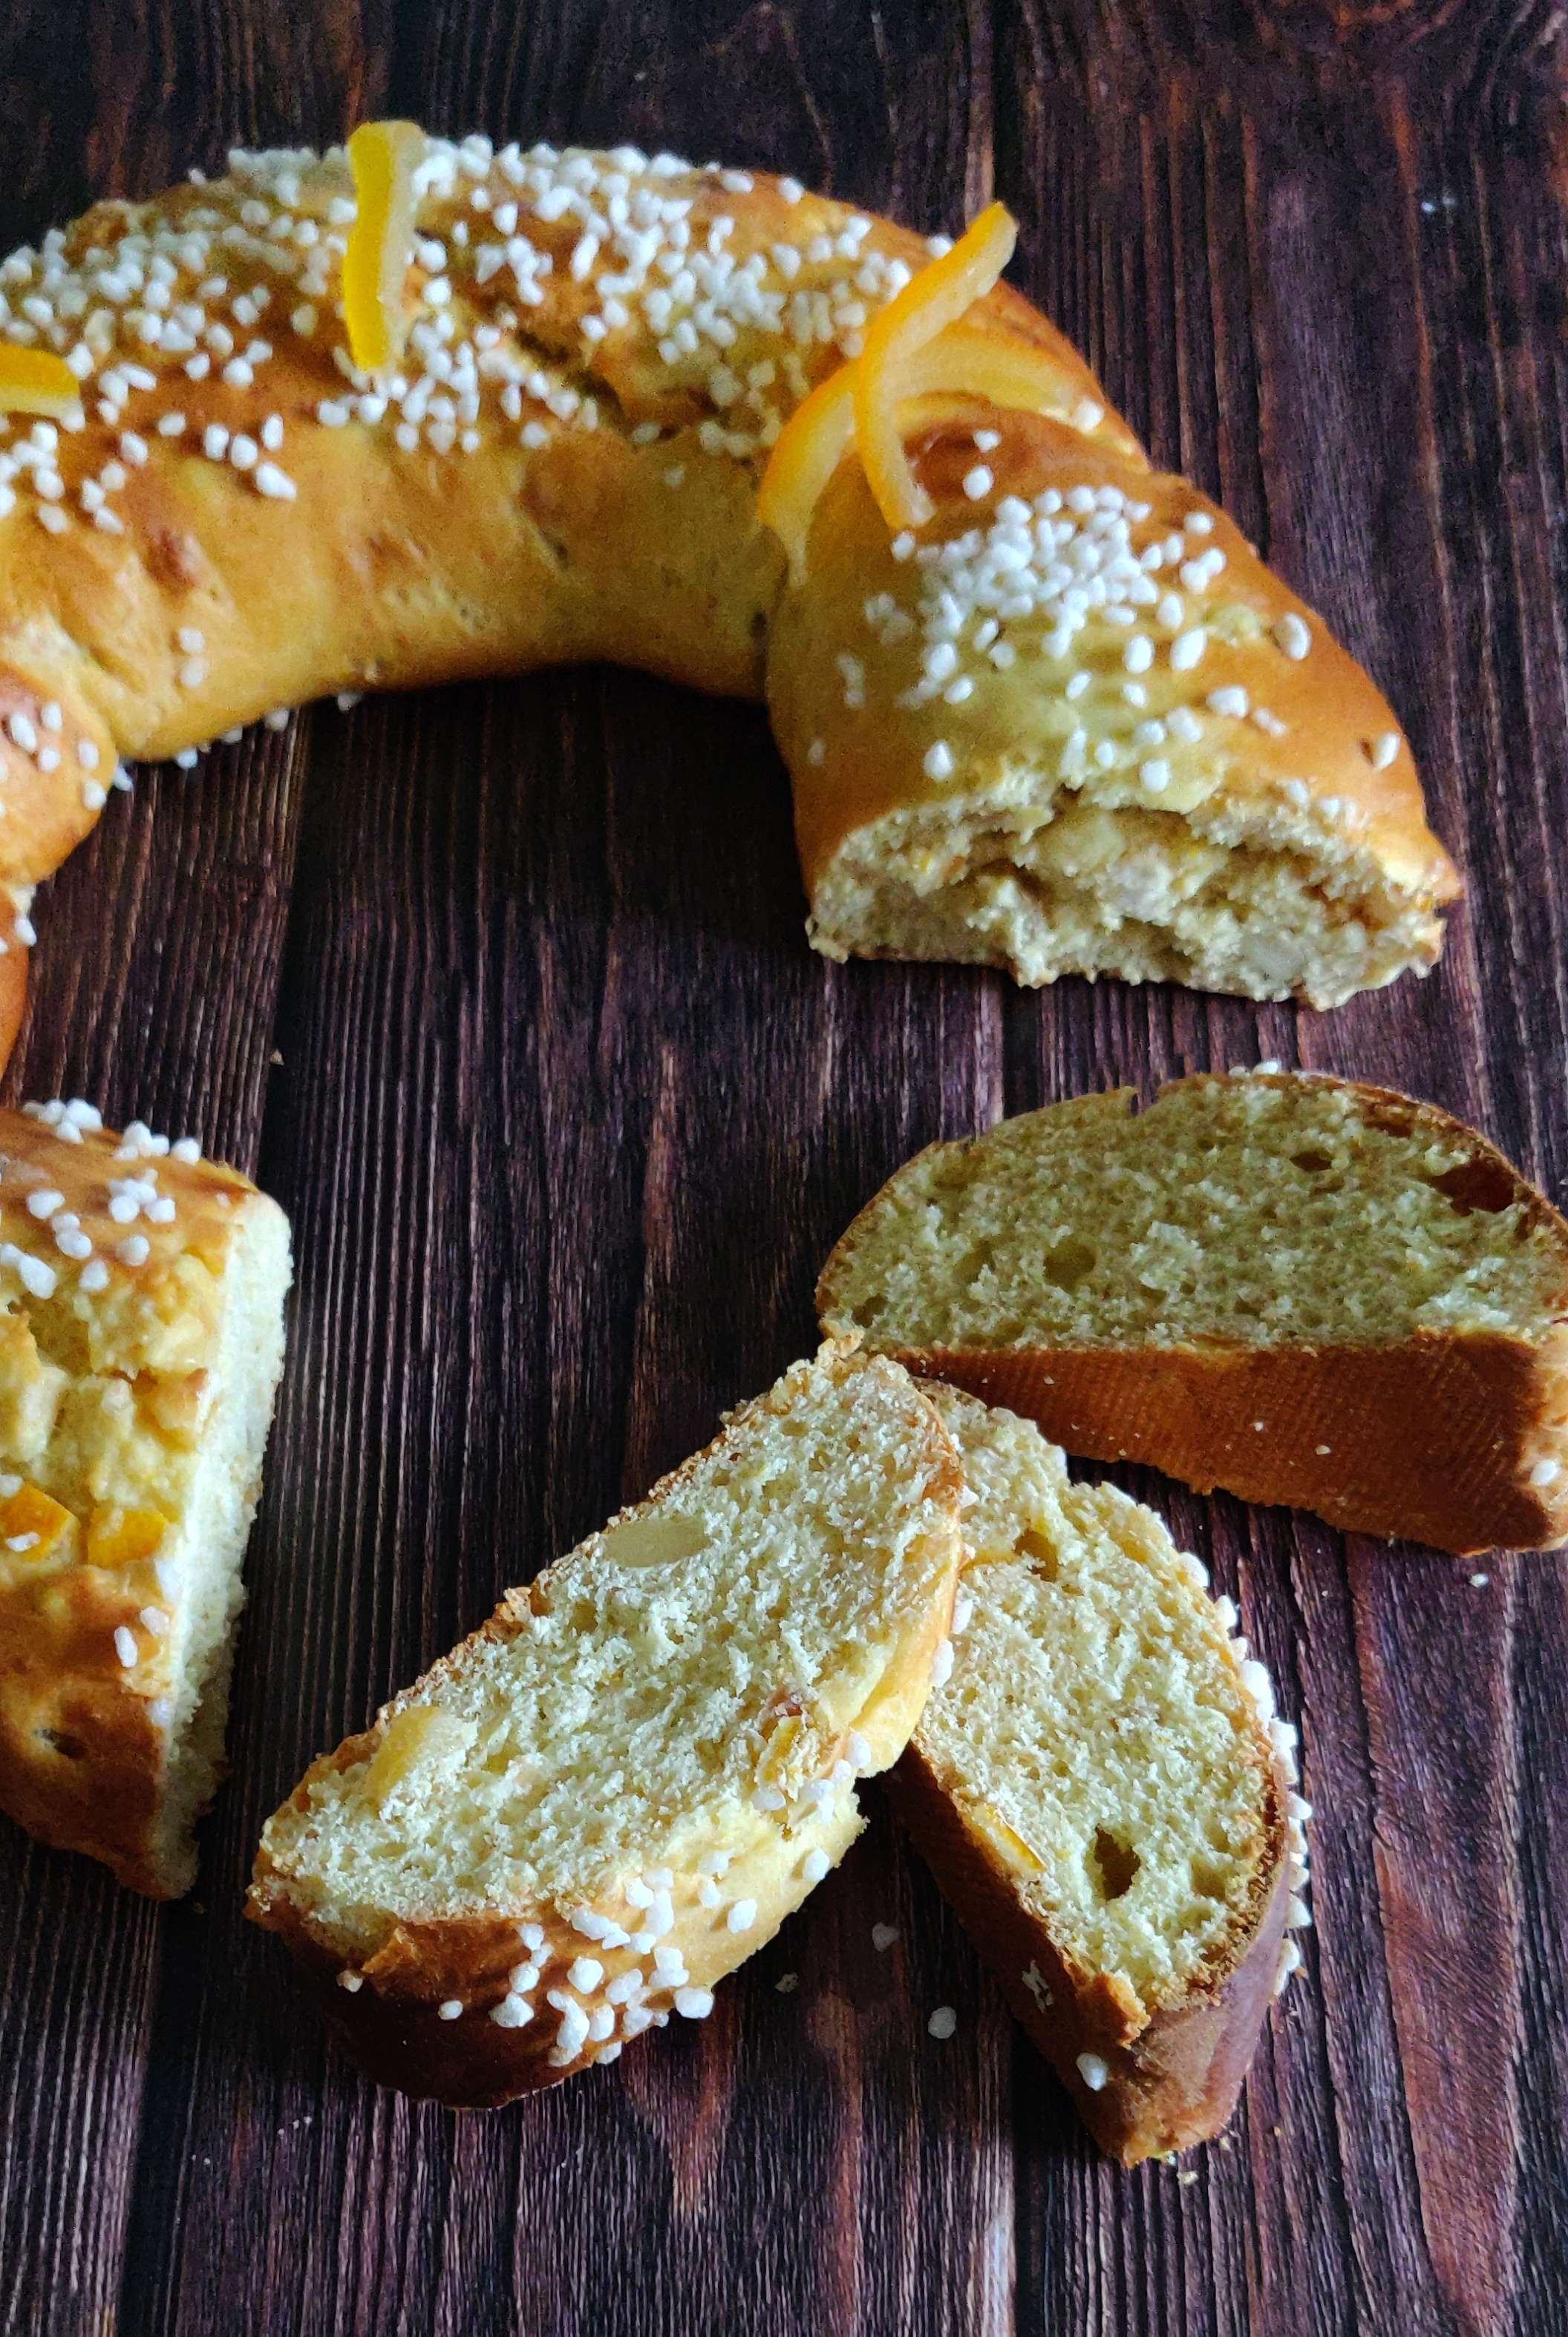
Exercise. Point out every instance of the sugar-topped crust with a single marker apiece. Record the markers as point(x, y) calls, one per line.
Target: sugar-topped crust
point(602, 349)
point(113, 1250)
point(1247, 711)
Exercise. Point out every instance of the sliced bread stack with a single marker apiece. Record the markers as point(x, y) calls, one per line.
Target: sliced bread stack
point(612, 1795)
point(604, 1801)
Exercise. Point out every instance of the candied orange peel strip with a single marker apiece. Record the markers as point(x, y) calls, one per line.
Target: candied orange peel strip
point(34, 381)
point(383, 157)
point(973, 364)
point(960, 363)
point(806, 454)
point(926, 306)
point(917, 348)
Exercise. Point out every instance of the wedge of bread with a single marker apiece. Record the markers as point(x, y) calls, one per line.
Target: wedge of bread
point(1103, 1792)
point(141, 1339)
point(616, 1791)
point(1302, 1289)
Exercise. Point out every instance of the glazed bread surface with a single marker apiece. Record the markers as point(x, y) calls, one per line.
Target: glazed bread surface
point(1106, 1795)
point(142, 1297)
point(1142, 756)
point(1300, 1288)
point(617, 1790)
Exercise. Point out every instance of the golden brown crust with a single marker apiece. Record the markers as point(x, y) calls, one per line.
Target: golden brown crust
point(206, 1194)
point(1441, 1438)
point(1431, 1441)
point(103, 1362)
point(144, 618)
point(387, 2009)
point(391, 2024)
point(1169, 2082)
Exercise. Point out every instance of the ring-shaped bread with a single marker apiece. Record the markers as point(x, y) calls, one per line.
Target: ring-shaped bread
point(1071, 724)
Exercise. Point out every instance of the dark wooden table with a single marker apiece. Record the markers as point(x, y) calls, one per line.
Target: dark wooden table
point(504, 993)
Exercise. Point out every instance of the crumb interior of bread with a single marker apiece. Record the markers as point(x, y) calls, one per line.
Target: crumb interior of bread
point(205, 1546)
point(725, 1636)
point(1276, 906)
point(1244, 1210)
point(1095, 1730)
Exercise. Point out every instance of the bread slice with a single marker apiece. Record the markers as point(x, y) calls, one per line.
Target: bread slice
point(140, 1341)
point(1104, 1794)
point(616, 1791)
point(1300, 1288)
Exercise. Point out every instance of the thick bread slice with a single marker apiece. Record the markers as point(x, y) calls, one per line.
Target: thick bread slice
point(1104, 1794)
point(1298, 1288)
point(615, 1791)
point(140, 1341)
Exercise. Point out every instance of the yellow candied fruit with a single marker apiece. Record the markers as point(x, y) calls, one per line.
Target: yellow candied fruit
point(33, 381)
point(119, 1537)
point(654, 1540)
point(805, 455)
point(959, 363)
point(783, 1739)
point(931, 301)
point(383, 157)
point(926, 356)
point(31, 1517)
point(1010, 1847)
point(967, 363)
point(421, 1737)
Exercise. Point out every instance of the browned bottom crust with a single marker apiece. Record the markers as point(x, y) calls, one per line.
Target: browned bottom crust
point(81, 1765)
point(1433, 1440)
point(397, 2040)
point(1174, 2082)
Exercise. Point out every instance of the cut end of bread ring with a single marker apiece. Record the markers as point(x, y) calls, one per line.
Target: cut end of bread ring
point(141, 1339)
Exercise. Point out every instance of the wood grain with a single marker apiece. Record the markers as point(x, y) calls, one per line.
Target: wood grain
point(503, 993)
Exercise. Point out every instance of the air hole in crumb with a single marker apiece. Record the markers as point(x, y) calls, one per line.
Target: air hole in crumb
point(1040, 1550)
point(1315, 1162)
point(1209, 1878)
point(1470, 1184)
point(70, 1749)
point(1115, 1863)
point(1069, 1260)
point(975, 1261)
